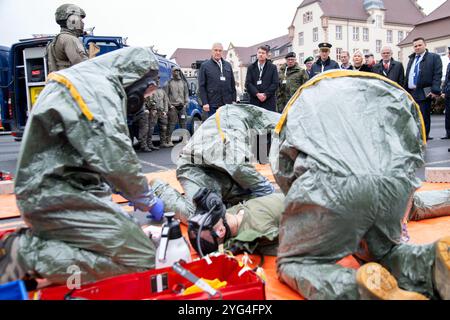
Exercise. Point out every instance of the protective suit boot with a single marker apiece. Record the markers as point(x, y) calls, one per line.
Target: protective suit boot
point(10, 270)
point(376, 283)
point(442, 268)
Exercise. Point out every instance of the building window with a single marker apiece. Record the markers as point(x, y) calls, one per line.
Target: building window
point(366, 34)
point(400, 36)
point(355, 49)
point(400, 56)
point(355, 33)
point(253, 58)
point(338, 54)
point(366, 51)
point(379, 46)
point(316, 54)
point(301, 39)
point(289, 49)
point(307, 17)
point(301, 58)
point(338, 32)
point(315, 34)
point(277, 53)
point(379, 21)
point(389, 36)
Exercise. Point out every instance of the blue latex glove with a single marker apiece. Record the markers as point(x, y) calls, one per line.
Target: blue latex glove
point(157, 210)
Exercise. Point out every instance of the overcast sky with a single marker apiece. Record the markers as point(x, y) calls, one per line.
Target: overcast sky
point(167, 24)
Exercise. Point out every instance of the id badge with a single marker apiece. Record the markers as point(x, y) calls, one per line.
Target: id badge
point(284, 81)
point(223, 79)
point(183, 117)
point(259, 82)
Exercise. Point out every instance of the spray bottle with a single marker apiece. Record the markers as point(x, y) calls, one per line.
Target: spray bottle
point(173, 247)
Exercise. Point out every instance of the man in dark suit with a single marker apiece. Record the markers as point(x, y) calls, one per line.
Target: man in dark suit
point(262, 81)
point(216, 82)
point(446, 94)
point(423, 79)
point(390, 68)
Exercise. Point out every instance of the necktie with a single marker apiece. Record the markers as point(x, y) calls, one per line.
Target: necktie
point(386, 66)
point(416, 70)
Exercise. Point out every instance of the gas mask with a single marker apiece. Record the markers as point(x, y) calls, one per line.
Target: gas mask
point(135, 92)
point(209, 210)
point(75, 23)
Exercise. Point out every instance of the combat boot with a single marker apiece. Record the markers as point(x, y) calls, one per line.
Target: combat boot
point(10, 270)
point(144, 147)
point(441, 274)
point(166, 143)
point(151, 146)
point(376, 283)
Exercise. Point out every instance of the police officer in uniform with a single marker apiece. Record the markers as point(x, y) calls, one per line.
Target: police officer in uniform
point(66, 49)
point(291, 77)
point(324, 63)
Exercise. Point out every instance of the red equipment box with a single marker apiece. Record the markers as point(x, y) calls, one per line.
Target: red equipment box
point(166, 284)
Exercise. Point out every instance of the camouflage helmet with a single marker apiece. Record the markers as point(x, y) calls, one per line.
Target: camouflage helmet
point(66, 10)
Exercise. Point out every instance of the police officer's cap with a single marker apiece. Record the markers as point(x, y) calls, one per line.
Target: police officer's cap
point(308, 59)
point(291, 55)
point(325, 45)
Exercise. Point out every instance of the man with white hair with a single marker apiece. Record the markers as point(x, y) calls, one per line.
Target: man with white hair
point(390, 68)
point(216, 82)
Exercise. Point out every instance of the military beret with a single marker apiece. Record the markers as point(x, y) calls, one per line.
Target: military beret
point(291, 55)
point(309, 59)
point(325, 45)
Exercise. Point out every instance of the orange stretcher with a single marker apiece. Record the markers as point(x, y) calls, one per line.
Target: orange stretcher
point(421, 232)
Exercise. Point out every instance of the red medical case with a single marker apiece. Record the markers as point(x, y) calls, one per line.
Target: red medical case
point(166, 284)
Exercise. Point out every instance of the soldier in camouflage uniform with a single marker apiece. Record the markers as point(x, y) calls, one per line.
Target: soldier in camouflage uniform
point(291, 77)
point(143, 120)
point(66, 49)
point(158, 106)
point(178, 93)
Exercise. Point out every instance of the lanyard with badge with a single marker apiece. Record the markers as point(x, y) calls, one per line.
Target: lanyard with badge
point(222, 77)
point(285, 75)
point(259, 82)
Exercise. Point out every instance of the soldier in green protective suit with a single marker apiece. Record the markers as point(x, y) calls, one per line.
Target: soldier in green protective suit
point(76, 150)
point(348, 169)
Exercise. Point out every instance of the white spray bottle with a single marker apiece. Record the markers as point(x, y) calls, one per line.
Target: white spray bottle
point(173, 246)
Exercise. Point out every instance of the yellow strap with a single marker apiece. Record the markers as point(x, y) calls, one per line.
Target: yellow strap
point(341, 74)
point(74, 93)
point(222, 135)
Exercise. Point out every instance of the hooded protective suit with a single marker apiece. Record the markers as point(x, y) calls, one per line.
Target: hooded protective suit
point(347, 167)
point(218, 157)
point(76, 148)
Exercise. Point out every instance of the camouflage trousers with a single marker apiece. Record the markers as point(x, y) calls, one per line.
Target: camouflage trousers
point(177, 115)
point(160, 118)
point(144, 124)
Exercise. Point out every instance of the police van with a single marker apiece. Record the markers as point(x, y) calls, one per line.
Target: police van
point(27, 76)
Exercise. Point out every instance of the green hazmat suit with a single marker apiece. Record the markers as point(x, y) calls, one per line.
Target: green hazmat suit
point(347, 168)
point(219, 155)
point(76, 149)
